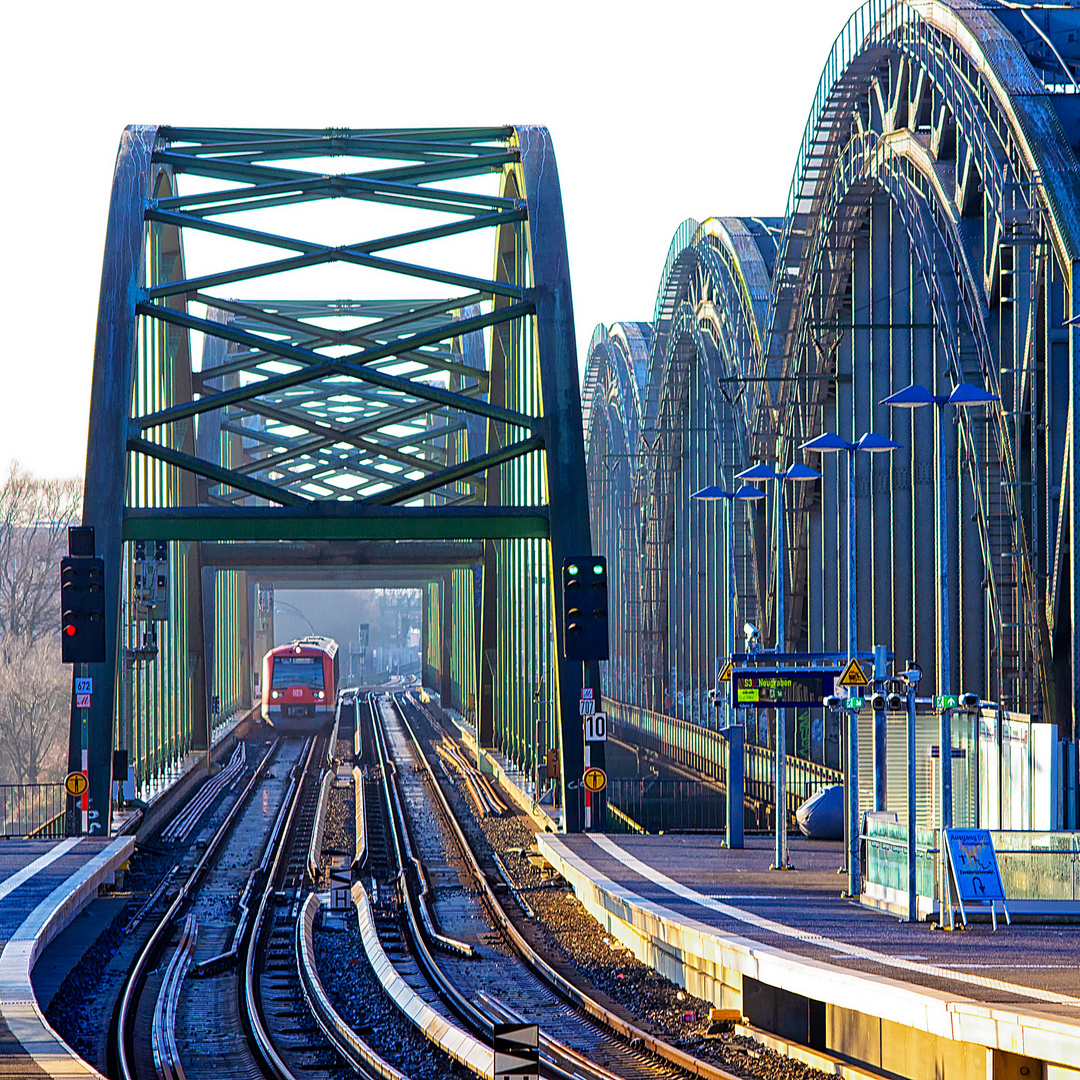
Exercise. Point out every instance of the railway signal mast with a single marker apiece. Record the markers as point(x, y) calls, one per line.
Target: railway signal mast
point(585, 638)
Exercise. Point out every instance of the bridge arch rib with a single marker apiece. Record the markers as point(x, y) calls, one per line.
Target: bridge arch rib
point(931, 236)
point(220, 416)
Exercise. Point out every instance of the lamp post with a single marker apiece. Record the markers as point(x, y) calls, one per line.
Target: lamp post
point(963, 396)
point(712, 494)
point(869, 443)
point(797, 473)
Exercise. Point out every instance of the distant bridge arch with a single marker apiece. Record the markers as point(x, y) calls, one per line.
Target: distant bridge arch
point(930, 236)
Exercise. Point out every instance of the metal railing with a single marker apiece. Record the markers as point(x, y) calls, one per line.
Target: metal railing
point(32, 810)
point(1038, 865)
point(651, 805)
point(700, 748)
point(1034, 865)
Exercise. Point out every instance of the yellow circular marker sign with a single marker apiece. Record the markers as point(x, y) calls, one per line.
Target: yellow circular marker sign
point(594, 779)
point(75, 783)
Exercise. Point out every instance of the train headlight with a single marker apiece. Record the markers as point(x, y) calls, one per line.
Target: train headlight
point(275, 693)
point(321, 695)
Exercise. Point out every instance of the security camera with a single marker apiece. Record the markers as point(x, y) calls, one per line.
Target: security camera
point(833, 702)
point(970, 701)
point(894, 702)
point(913, 673)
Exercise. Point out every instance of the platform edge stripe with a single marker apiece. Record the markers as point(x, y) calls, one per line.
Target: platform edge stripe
point(957, 1018)
point(18, 1005)
point(20, 877)
point(461, 1046)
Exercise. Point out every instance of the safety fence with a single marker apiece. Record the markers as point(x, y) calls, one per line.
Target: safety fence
point(33, 810)
point(651, 805)
point(706, 751)
point(1035, 866)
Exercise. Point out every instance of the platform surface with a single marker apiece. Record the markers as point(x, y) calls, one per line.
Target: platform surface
point(801, 911)
point(1018, 987)
point(43, 884)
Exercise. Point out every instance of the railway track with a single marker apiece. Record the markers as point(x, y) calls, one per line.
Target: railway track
point(506, 980)
point(221, 986)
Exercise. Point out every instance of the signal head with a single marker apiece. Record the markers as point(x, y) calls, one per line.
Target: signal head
point(894, 702)
point(878, 703)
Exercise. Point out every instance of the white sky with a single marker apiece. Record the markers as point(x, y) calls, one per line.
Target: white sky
point(657, 114)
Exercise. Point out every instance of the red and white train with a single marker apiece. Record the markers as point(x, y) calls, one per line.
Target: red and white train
point(299, 685)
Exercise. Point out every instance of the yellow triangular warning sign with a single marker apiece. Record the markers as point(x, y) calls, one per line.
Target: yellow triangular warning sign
point(725, 672)
point(852, 675)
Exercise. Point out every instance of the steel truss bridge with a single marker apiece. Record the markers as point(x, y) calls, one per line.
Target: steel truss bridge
point(415, 434)
point(932, 235)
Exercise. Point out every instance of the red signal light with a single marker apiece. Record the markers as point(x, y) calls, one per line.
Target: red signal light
point(70, 631)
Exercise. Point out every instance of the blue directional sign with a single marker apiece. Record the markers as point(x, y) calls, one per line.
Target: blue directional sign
point(974, 865)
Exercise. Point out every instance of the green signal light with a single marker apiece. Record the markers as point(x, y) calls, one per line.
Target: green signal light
point(598, 568)
point(572, 569)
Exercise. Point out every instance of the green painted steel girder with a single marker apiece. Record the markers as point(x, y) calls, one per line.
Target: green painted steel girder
point(341, 553)
point(338, 521)
point(416, 432)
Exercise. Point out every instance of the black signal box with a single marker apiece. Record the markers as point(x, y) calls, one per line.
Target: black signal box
point(82, 609)
point(585, 608)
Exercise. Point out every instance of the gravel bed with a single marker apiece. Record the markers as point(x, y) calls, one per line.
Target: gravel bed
point(659, 1005)
point(80, 1011)
point(359, 998)
point(339, 827)
point(347, 976)
point(344, 750)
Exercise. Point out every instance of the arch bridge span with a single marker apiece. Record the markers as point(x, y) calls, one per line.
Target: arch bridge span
point(932, 236)
point(247, 424)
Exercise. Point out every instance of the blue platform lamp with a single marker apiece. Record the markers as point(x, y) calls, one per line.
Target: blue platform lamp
point(733, 733)
point(870, 443)
point(964, 396)
point(798, 474)
point(712, 493)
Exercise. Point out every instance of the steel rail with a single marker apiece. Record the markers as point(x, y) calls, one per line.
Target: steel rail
point(552, 1051)
point(578, 998)
point(276, 847)
point(362, 1059)
point(139, 970)
point(403, 852)
point(163, 1026)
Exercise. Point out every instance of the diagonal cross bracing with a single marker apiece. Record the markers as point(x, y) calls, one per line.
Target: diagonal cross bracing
point(440, 404)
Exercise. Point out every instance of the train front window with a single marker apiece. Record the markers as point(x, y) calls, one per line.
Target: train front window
point(297, 671)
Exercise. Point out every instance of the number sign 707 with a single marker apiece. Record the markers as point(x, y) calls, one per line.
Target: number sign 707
point(595, 727)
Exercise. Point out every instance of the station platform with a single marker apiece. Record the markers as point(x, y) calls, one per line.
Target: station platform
point(893, 998)
point(44, 884)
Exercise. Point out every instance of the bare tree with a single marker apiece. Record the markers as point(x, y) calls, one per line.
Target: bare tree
point(34, 517)
point(34, 698)
point(34, 684)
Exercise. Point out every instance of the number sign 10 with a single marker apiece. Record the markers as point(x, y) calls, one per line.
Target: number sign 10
point(595, 727)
